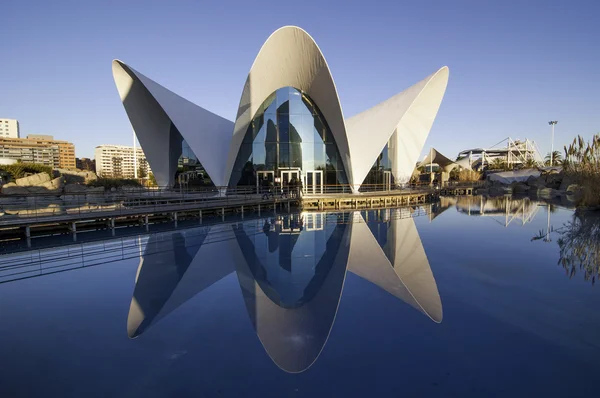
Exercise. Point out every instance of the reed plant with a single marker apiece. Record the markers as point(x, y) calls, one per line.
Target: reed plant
point(581, 164)
point(465, 175)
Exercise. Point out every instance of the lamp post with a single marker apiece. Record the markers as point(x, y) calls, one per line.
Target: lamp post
point(552, 123)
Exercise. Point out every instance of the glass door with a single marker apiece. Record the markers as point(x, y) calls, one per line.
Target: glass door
point(387, 180)
point(313, 184)
point(265, 181)
point(286, 177)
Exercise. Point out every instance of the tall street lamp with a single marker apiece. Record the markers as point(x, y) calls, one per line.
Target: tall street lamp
point(552, 123)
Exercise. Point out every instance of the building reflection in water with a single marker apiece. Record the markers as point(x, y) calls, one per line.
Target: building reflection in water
point(504, 210)
point(291, 270)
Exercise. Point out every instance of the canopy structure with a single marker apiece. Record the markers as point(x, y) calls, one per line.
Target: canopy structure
point(434, 156)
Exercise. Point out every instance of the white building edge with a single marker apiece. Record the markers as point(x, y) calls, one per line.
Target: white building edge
point(289, 58)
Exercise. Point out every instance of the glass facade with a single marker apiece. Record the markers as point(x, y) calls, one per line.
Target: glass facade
point(290, 256)
point(380, 176)
point(287, 133)
point(189, 173)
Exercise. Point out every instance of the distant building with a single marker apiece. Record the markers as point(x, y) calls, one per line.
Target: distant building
point(117, 161)
point(40, 149)
point(9, 128)
point(86, 164)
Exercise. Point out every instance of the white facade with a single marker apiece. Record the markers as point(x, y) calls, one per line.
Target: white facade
point(290, 57)
point(118, 161)
point(9, 128)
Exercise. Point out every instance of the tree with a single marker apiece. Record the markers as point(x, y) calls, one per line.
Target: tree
point(556, 158)
point(142, 171)
point(152, 180)
point(497, 164)
point(529, 163)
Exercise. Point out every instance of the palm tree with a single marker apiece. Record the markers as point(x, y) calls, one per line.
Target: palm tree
point(556, 158)
point(530, 164)
point(497, 164)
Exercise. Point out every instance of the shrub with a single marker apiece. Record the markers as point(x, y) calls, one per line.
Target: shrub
point(20, 170)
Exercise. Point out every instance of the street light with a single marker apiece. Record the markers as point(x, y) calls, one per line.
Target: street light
point(552, 123)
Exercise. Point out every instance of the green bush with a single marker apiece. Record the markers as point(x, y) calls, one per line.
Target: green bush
point(20, 170)
point(114, 183)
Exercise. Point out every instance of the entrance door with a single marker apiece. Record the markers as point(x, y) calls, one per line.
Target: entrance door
point(287, 176)
point(313, 184)
point(264, 180)
point(387, 180)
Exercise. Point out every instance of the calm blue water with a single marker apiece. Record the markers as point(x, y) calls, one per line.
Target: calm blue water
point(462, 299)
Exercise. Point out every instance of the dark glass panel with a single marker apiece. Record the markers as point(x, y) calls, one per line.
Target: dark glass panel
point(296, 155)
point(271, 131)
point(283, 122)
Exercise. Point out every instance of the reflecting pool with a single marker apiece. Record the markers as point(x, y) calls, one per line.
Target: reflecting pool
point(467, 297)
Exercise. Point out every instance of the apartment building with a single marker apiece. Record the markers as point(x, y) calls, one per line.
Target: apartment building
point(118, 161)
point(9, 128)
point(40, 149)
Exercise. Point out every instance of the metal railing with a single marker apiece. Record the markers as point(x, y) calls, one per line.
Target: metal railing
point(45, 261)
point(40, 207)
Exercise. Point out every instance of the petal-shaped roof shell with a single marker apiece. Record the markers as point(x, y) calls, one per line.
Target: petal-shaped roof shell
point(409, 114)
point(290, 57)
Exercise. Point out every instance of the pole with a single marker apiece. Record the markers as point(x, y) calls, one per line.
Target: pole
point(431, 164)
point(552, 148)
point(135, 171)
point(552, 123)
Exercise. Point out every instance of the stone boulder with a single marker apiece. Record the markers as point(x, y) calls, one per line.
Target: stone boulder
point(55, 185)
point(536, 182)
point(13, 189)
point(520, 188)
point(33, 180)
point(76, 188)
point(76, 176)
point(554, 180)
point(500, 190)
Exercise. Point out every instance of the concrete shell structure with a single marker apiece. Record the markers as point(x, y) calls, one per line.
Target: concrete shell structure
point(292, 327)
point(290, 58)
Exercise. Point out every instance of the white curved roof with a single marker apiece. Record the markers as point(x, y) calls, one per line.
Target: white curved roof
point(406, 275)
point(290, 57)
point(405, 119)
point(152, 108)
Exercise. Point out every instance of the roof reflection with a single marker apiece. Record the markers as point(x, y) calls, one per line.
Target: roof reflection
point(291, 270)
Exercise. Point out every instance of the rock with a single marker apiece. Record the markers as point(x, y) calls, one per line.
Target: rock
point(566, 182)
point(536, 183)
point(520, 188)
point(54, 185)
point(13, 189)
point(33, 180)
point(36, 189)
point(554, 180)
point(500, 191)
point(76, 177)
point(76, 188)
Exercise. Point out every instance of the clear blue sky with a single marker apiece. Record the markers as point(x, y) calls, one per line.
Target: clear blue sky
point(514, 65)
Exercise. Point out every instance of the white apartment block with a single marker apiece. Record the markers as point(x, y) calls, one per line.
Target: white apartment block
point(9, 128)
point(117, 161)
